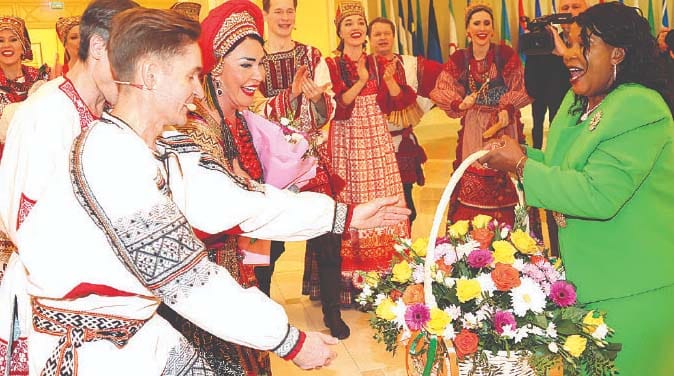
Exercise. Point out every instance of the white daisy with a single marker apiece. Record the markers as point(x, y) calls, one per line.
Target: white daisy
point(449, 332)
point(418, 274)
point(470, 321)
point(508, 331)
point(600, 332)
point(520, 334)
point(518, 264)
point(453, 311)
point(486, 283)
point(450, 282)
point(378, 299)
point(399, 310)
point(528, 296)
point(551, 330)
point(552, 346)
point(463, 250)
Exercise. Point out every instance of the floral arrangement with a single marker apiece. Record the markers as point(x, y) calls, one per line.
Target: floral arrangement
point(493, 290)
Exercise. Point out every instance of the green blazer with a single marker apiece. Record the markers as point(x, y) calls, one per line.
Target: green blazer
point(615, 185)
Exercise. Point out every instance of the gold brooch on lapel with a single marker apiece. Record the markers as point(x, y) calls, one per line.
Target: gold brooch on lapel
point(595, 120)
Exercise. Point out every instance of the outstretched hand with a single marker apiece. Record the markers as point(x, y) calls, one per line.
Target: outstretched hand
point(504, 154)
point(384, 211)
point(315, 352)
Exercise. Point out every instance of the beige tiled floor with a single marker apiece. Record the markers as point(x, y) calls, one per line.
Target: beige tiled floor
point(360, 354)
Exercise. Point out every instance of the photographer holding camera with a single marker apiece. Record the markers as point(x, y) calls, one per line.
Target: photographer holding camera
point(546, 78)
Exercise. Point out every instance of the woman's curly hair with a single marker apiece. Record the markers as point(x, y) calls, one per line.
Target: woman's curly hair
point(625, 27)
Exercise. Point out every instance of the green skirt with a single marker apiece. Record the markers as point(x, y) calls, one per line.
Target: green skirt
point(644, 324)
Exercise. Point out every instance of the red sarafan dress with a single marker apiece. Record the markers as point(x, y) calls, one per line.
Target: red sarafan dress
point(499, 79)
point(364, 164)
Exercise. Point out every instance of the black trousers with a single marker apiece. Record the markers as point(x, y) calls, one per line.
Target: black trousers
point(264, 273)
point(328, 256)
point(538, 109)
point(407, 189)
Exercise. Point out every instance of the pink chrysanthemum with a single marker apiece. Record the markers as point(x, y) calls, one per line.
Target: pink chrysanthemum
point(502, 318)
point(480, 258)
point(563, 294)
point(416, 316)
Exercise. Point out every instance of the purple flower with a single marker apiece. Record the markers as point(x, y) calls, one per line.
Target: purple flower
point(502, 318)
point(563, 294)
point(480, 258)
point(534, 272)
point(416, 316)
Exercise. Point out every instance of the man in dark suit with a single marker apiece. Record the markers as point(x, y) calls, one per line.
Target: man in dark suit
point(547, 79)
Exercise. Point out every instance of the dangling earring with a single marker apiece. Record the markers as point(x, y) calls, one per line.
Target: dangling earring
point(615, 72)
point(218, 87)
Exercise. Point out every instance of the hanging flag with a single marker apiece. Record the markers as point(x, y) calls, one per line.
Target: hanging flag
point(453, 38)
point(403, 46)
point(411, 27)
point(554, 6)
point(382, 8)
point(665, 16)
point(538, 12)
point(505, 27)
point(651, 16)
point(434, 50)
point(419, 34)
point(522, 27)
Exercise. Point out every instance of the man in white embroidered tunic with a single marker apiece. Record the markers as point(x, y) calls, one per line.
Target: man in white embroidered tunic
point(96, 281)
point(39, 139)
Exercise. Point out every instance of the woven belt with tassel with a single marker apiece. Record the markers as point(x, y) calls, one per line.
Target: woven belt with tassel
point(75, 328)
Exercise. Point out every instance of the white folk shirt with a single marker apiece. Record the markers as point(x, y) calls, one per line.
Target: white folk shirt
point(140, 249)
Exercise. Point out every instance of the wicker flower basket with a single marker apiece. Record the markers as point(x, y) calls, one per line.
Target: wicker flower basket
point(500, 364)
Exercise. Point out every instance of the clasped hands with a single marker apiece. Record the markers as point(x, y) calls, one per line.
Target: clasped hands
point(303, 84)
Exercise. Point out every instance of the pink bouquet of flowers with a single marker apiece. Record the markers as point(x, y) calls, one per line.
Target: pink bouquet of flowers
point(281, 152)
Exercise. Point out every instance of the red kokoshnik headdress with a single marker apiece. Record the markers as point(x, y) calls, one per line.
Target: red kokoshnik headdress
point(223, 27)
point(347, 8)
point(18, 27)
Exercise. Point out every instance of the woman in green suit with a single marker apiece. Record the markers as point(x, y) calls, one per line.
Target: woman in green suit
point(608, 173)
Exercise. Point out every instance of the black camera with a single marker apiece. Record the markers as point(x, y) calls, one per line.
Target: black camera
point(539, 41)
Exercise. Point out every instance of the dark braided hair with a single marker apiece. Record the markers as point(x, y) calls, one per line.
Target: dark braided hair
point(624, 27)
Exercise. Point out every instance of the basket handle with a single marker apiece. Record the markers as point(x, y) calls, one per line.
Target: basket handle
point(439, 217)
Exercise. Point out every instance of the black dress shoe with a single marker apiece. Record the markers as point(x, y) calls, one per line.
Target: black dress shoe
point(337, 326)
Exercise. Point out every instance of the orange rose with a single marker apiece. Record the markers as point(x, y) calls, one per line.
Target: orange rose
point(414, 294)
point(484, 236)
point(505, 277)
point(395, 294)
point(442, 266)
point(465, 343)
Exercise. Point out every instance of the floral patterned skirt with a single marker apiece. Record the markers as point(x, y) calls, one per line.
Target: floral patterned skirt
point(363, 158)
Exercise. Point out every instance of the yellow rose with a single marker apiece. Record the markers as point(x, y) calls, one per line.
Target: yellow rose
point(438, 322)
point(458, 229)
point(402, 272)
point(372, 279)
point(385, 310)
point(468, 289)
point(591, 323)
point(575, 345)
point(419, 247)
point(525, 243)
point(481, 221)
point(504, 252)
